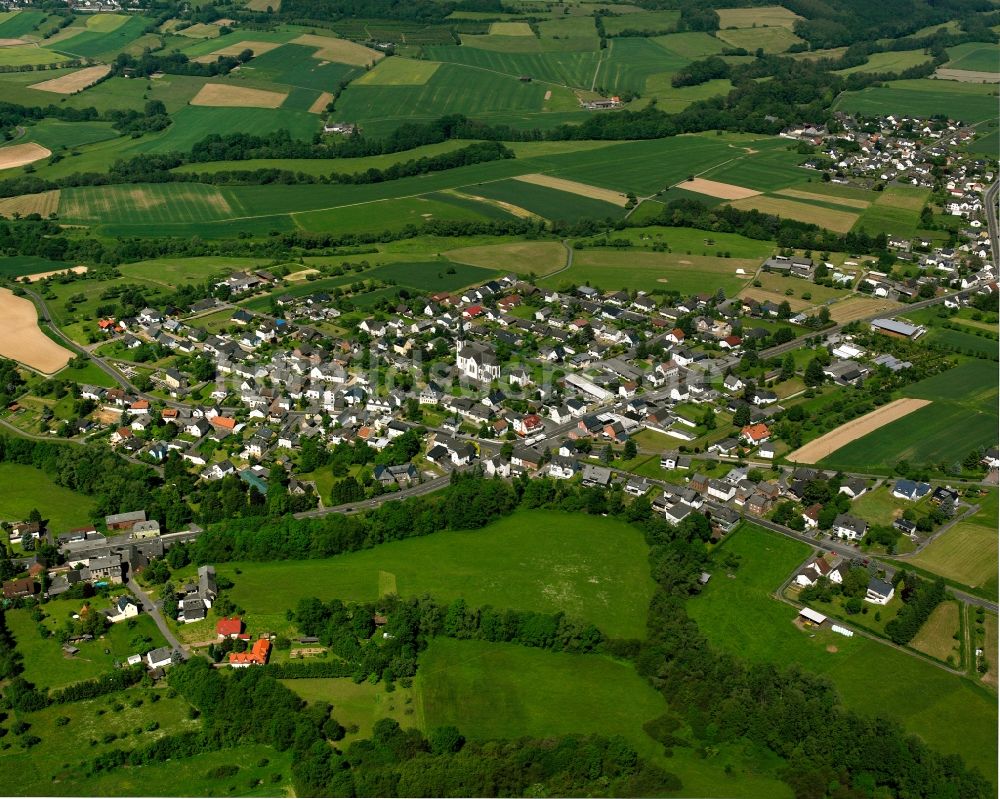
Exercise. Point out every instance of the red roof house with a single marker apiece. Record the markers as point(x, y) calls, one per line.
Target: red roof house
point(257, 656)
point(229, 627)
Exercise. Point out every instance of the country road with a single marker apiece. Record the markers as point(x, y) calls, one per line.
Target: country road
point(153, 609)
point(990, 201)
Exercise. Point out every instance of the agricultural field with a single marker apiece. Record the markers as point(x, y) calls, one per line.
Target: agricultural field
point(966, 553)
point(399, 72)
point(974, 57)
point(740, 616)
point(892, 61)
point(137, 203)
point(546, 202)
point(595, 571)
point(837, 221)
point(647, 271)
point(23, 340)
point(391, 215)
point(937, 637)
point(27, 488)
point(103, 37)
point(540, 258)
point(18, 265)
point(896, 212)
point(14, 24)
point(968, 102)
point(961, 416)
point(657, 21)
point(771, 40)
point(757, 17)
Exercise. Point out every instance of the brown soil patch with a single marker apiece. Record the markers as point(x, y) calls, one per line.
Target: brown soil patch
point(76, 270)
point(855, 429)
point(108, 416)
point(967, 76)
point(832, 649)
point(320, 103)
point(43, 203)
point(808, 195)
point(302, 274)
point(21, 154)
point(222, 96)
point(22, 339)
point(73, 82)
point(548, 95)
point(339, 50)
point(259, 48)
point(12, 42)
point(713, 188)
point(859, 307)
point(573, 187)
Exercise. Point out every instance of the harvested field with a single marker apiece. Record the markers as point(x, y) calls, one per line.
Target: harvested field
point(76, 270)
point(510, 208)
point(73, 82)
point(809, 196)
point(760, 16)
point(339, 50)
point(259, 48)
point(264, 5)
point(967, 76)
point(510, 29)
point(571, 186)
point(220, 95)
point(22, 339)
point(714, 188)
point(302, 274)
point(320, 103)
point(854, 429)
point(860, 307)
point(21, 154)
point(837, 221)
point(44, 203)
point(12, 42)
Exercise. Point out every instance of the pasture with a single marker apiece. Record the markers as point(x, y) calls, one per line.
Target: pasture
point(740, 616)
point(23, 340)
point(590, 568)
point(651, 271)
point(399, 72)
point(936, 637)
point(974, 57)
point(896, 211)
point(101, 40)
point(27, 488)
point(771, 40)
point(758, 17)
point(968, 102)
point(892, 61)
point(966, 553)
point(962, 416)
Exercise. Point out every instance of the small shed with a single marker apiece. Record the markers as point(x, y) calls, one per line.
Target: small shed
point(813, 616)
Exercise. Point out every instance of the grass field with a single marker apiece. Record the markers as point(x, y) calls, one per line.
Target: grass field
point(968, 102)
point(538, 257)
point(568, 68)
point(761, 16)
point(691, 241)
point(775, 167)
point(961, 417)
point(892, 61)
point(974, 56)
point(896, 212)
point(101, 40)
point(295, 65)
point(399, 72)
point(936, 637)
point(740, 616)
point(394, 215)
point(549, 203)
point(648, 271)
point(590, 568)
point(192, 124)
point(14, 24)
point(186, 202)
point(662, 21)
point(17, 265)
point(771, 40)
point(879, 506)
point(967, 553)
point(24, 54)
point(691, 45)
point(962, 341)
point(431, 276)
point(25, 488)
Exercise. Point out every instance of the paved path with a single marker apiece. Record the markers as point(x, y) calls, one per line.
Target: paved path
point(153, 609)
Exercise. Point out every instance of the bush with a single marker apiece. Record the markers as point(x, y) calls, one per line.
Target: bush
point(222, 772)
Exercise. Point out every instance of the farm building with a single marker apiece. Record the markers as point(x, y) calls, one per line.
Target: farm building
point(893, 327)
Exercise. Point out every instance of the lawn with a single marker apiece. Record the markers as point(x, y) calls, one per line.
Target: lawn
point(25, 488)
point(879, 506)
point(937, 637)
point(967, 553)
point(740, 616)
point(649, 271)
point(590, 568)
point(968, 102)
point(506, 691)
point(47, 666)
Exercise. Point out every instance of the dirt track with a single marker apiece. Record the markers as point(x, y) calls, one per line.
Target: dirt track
point(856, 428)
point(22, 339)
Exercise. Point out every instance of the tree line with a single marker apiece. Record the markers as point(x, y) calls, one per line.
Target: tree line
point(920, 598)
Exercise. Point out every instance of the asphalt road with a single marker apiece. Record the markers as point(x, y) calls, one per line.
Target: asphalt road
point(153, 609)
point(990, 200)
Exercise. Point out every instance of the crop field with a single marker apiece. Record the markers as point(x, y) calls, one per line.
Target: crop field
point(612, 270)
point(570, 69)
point(661, 21)
point(691, 45)
point(968, 102)
point(548, 203)
point(859, 307)
point(74, 82)
point(593, 569)
point(340, 50)
point(226, 95)
point(17, 265)
point(961, 417)
point(432, 276)
point(972, 56)
point(828, 444)
point(27, 488)
point(510, 29)
point(137, 203)
point(257, 47)
point(94, 42)
point(375, 217)
point(538, 257)
point(967, 553)
point(964, 342)
point(896, 212)
point(893, 61)
point(837, 221)
point(712, 188)
point(767, 170)
point(740, 616)
point(826, 199)
point(445, 92)
point(771, 40)
point(15, 155)
point(14, 24)
point(44, 203)
point(23, 340)
point(936, 637)
point(295, 65)
point(399, 72)
point(763, 16)
point(632, 63)
point(23, 54)
point(574, 187)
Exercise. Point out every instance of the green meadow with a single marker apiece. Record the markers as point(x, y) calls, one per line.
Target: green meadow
point(969, 102)
point(26, 488)
point(740, 615)
point(589, 568)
